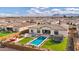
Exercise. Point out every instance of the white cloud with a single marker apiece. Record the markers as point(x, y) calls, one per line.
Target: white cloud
point(66, 11)
point(42, 8)
point(37, 11)
point(72, 9)
point(55, 10)
point(44, 11)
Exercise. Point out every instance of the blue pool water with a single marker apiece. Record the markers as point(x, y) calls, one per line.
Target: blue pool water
point(38, 40)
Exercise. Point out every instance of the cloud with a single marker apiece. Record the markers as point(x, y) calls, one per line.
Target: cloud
point(39, 11)
point(55, 10)
point(65, 11)
point(72, 9)
point(41, 8)
point(33, 12)
point(43, 11)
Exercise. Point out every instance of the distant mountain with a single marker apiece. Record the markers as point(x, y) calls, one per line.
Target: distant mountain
point(65, 14)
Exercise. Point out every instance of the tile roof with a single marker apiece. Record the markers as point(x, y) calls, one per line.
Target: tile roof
point(53, 27)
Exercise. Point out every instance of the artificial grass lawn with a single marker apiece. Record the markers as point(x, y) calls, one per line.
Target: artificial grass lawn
point(4, 33)
point(25, 40)
point(56, 46)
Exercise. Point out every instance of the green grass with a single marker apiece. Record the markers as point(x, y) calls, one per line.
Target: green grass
point(56, 46)
point(4, 33)
point(25, 40)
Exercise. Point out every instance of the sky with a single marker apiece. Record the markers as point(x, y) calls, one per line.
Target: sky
point(38, 11)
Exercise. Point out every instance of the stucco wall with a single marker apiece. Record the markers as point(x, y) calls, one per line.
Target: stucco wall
point(22, 48)
point(65, 33)
point(22, 28)
point(47, 28)
point(34, 30)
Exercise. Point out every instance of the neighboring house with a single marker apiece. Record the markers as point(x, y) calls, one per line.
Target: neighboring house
point(48, 29)
point(7, 28)
point(16, 26)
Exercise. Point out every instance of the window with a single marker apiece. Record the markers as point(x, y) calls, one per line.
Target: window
point(46, 31)
point(31, 31)
point(38, 31)
point(56, 32)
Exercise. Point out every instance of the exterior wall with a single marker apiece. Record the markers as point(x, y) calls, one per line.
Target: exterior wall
point(29, 30)
point(22, 28)
point(40, 31)
point(47, 28)
point(5, 28)
point(52, 32)
point(15, 29)
point(22, 48)
point(34, 30)
point(65, 33)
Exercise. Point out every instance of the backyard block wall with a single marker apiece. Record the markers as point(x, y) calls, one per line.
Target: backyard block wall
point(21, 48)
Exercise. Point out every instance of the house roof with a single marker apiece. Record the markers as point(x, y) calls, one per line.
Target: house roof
point(52, 27)
point(16, 24)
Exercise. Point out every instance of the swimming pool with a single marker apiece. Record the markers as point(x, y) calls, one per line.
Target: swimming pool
point(38, 40)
